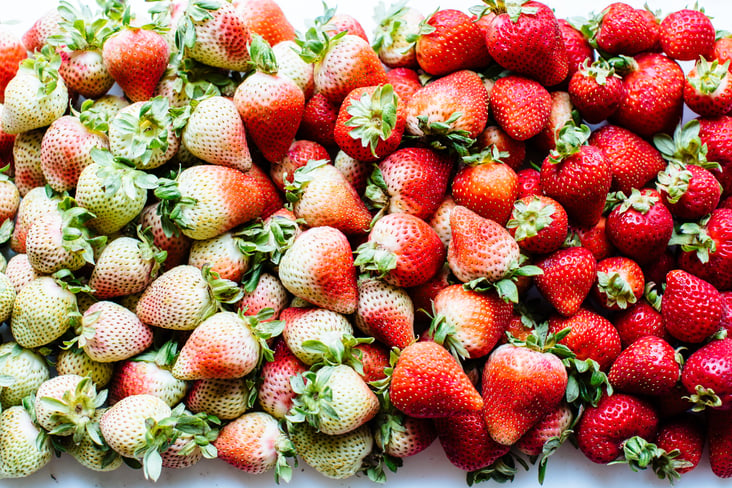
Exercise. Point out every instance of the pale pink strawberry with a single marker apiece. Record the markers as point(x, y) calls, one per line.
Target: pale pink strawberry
point(313, 324)
point(356, 172)
point(221, 254)
point(292, 66)
point(274, 393)
point(269, 293)
point(45, 26)
point(20, 272)
point(109, 332)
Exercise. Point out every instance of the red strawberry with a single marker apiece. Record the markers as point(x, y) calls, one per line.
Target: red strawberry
point(719, 433)
point(577, 176)
point(706, 376)
point(578, 49)
point(689, 191)
point(12, 52)
point(405, 82)
point(639, 320)
point(449, 41)
point(428, 382)
point(691, 307)
point(620, 283)
point(568, 276)
point(467, 443)
point(402, 249)
point(318, 120)
point(727, 311)
point(529, 182)
point(374, 360)
point(685, 434)
point(385, 312)
point(654, 90)
point(552, 427)
point(633, 161)
point(526, 39)
point(591, 336)
point(266, 18)
point(136, 59)
point(538, 223)
point(708, 89)
point(602, 430)
point(298, 155)
point(706, 248)
point(646, 367)
point(513, 152)
point(622, 29)
point(596, 91)
point(687, 34)
point(274, 393)
point(520, 106)
point(595, 239)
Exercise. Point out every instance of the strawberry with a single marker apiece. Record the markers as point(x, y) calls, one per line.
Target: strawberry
point(90, 454)
point(226, 345)
point(7, 297)
point(24, 371)
point(394, 26)
point(292, 66)
point(255, 443)
point(714, 133)
point(385, 312)
point(20, 272)
point(654, 88)
point(399, 436)
point(568, 276)
point(412, 180)
point(552, 427)
point(402, 249)
point(691, 307)
point(126, 266)
point(215, 133)
point(226, 399)
point(175, 246)
point(271, 121)
point(449, 41)
point(405, 82)
point(12, 52)
point(65, 406)
point(75, 361)
point(136, 58)
point(520, 106)
point(538, 224)
point(705, 375)
point(27, 160)
point(440, 220)
point(316, 335)
point(602, 430)
point(333, 456)
point(467, 323)
point(689, 191)
point(338, 23)
point(578, 49)
point(591, 336)
point(621, 29)
point(561, 113)
point(467, 442)
point(596, 91)
point(222, 254)
point(318, 120)
point(718, 434)
point(529, 182)
point(298, 155)
point(149, 373)
point(685, 434)
point(707, 89)
point(646, 367)
point(45, 26)
point(416, 390)
point(524, 37)
point(36, 95)
point(319, 268)
point(639, 320)
point(24, 446)
point(706, 248)
point(687, 34)
point(266, 18)
point(513, 152)
point(726, 321)
point(486, 186)
point(319, 182)
point(577, 176)
point(370, 123)
point(275, 393)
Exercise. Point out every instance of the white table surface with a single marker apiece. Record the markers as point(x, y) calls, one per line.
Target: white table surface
point(568, 469)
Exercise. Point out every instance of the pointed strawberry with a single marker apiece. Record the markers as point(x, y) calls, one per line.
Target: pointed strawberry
point(691, 307)
point(591, 336)
point(568, 276)
point(385, 312)
point(705, 248)
point(596, 91)
point(275, 393)
point(318, 120)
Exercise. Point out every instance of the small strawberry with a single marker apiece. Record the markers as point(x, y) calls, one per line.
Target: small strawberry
point(222, 254)
point(274, 393)
point(23, 371)
point(706, 377)
point(520, 106)
point(538, 224)
point(175, 246)
point(318, 120)
point(691, 307)
point(621, 29)
point(567, 278)
point(385, 312)
point(75, 361)
point(596, 91)
point(706, 248)
point(529, 182)
point(639, 320)
point(686, 435)
point(27, 160)
point(405, 82)
point(298, 155)
point(687, 34)
point(591, 336)
point(708, 90)
point(225, 399)
point(689, 191)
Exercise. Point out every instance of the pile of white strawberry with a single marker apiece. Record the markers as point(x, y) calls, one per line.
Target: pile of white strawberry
point(341, 247)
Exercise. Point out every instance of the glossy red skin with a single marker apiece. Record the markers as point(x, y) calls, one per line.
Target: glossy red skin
point(318, 120)
point(467, 443)
point(726, 321)
point(495, 136)
point(701, 197)
point(647, 367)
point(639, 320)
point(567, 279)
point(592, 336)
point(718, 270)
point(601, 430)
point(595, 239)
point(595, 102)
point(656, 271)
point(625, 30)
point(691, 307)
point(488, 189)
point(529, 181)
point(629, 271)
point(578, 49)
point(685, 434)
point(712, 104)
point(719, 434)
point(520, 106)
point(405, 82)
point(687, 34)
point(711, 367)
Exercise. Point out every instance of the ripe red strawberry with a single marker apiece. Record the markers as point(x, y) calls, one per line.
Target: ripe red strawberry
point(639, 320)
point(634, 161)
point(654, 90)
point(467, 443)
point(689, 191)
point(405, 82)
point(486, 186)
point(12, 52)
point(449, 41)
point(686, 434)
point(726, 321)
point(592, 336)
point(427, 382)
point(621, 29)
point(414, 181)
point(716, 133)
point(298, 155)
point(568, 276)
point(529, 182)
point(370, 123)
point(603, 429)
point(319, 268)
point(136, 59)
point(266, 18)
point(691, 307)
point(467, 323)
point(578, 49)
point(513, 152)
point(687, 34)
point(707, 89)
point(274, 393)
point(620, 283)
point(706, 248)
point(538, 223)
point(385, 312)
point(526, 39)
point(402, 249)
point(646, 367)
point(521, 106)
point(552, 427)
point(706, 375)
point(318, 120)
point(520, 384)
point(719, 433)
point(596, 91)
point(577, 176)
point(374, 360)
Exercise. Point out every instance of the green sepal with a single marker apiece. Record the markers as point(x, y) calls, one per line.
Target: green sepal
point(640, 454)
point(343, 351)
point(261, 56)
point(616, 289)
point(222, 291)
point(693, 237)
point(388, 23)
point(709, 76)
point(569, 141)
point(145, 133)
point(501, 471)
point(374, 260)
point(300, 180)
point(445, 334)
point(674, 182)
point(313, 398)
point(373, 116)
point(586, 383)
point(164, 357)
point(703, 398)
point(529, 219)
point(686, 147)
point(44, 66)
point(442, 135)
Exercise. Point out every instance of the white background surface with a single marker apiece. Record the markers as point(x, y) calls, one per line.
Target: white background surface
point(568, 468)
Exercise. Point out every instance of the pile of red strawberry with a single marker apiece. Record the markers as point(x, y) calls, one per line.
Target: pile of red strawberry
point(340, 248)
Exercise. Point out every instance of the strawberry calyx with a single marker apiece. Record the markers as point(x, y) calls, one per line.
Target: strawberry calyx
point(373, 116)
point(172, 206)
point(569, 141)
point(80, 29)
point(74, 412)
point(381, 387)
point(374, 260)
point(44, 66)
point(388, 24)
point(445, 334)
point(442, 135)
point(387, 423)
point(200, 430)
point(96, 115)
point(300, 180)
point(586, 383)
point(145, 133)
point(120, 175)
point(343, 351)
point(487, 155)
point(221, 291)
point(376, 193)
point(529, 219)
point(149, 251)
point(163, 357)
point(506, 286)
point(709, 76)
point(693, 236)
point(640, 454)
point(313, 400)
point(159, 436)
point(317, 41)
point(551, 446)
point(197, 11)
point(685, 147)
point(502, 470)
point(66, 280)
point(652, 296)
point(703, 398)
point(623, 65)
point(674, 182)
point(261, 56)
point(514, 8)
point(285, 449)
point(77, 237)
point(424, 28)
point(599, 70)
point(616, 289)
point(541, 340)
point(264, 329)
point(199, 81)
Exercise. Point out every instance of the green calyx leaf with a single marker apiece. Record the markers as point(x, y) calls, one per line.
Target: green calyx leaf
point(74, 411)
point(172, 206)
point(264, 329)
point(442, 135)
point(82, 29)
point(640, 454)
point(373, 116)
point(164, 357)
point(516, 8)
point(66, 280)
point(343, 351)
point(317, 41)
point(197, 12)
point(145, 133)
point(685, 147)
point(120, 175)
point(487, 155)
point(674, 182)
point(638, 201)
point(446, 334)
point(529, 219)
point(549, 448)
point(616, 289)
point(374, 260)
point(586, 383)
point(708, 76)
point(501, 471)
point(600, 70)
point(301, 178)
point(222, 291)
point(542, 340)
point(377, 192)
point(703, 398)
point(313, 402)
point(44, 66)
point(389, 22)
point(693, 237)
point(262, 57)
point(569, 141)
point(77, 238)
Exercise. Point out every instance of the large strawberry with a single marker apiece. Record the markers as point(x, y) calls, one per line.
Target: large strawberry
point(706, 248)
point(689, 191)
point(521, 106)
point(567, 278)
point(621, 29)
point(691, 307)
point(687, 34)
point(385, 312)
point(648, 366)
point(24, 371)
point(706, 377)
